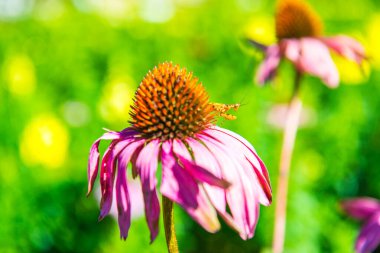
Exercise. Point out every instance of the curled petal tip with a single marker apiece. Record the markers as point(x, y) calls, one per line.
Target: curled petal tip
point(256, 44)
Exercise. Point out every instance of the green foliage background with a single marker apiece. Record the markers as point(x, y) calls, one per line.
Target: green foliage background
point(72, 52)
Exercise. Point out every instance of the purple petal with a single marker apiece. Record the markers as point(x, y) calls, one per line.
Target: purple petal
point(242, 197)
point(250, 160)
point(122, 195)
point(267, 69)
point(369, 237)
point(346, 47)
point(361, 208)
point(93, 161)
point(179, 186)
point(311, 56)
point(198, 172)
point(146, 164)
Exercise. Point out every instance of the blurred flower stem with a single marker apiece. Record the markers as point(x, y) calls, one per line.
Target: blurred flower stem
point(168, 213)
point(290, 132)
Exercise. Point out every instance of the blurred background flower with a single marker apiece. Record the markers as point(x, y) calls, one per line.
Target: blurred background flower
point(56, 59)
point(367, 210)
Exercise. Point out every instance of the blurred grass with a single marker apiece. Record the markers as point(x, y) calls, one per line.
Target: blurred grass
point(70, 68)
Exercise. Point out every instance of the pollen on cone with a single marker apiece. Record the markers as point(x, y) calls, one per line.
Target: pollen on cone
point(170, 103)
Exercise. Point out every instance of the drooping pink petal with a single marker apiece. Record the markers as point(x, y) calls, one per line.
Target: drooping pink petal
point(267, 69)
point(204, 158)
point(93, 161)
point(346, 47)
point(179, 186)
point(250, 159)
point(122, 194)
point(146, 164)
point(369, 237)
point(242, 197)
point(361, 208)
point(198, 172)
point(107, 172)
point(311, 56)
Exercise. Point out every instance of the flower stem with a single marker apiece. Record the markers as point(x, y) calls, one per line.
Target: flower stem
point(290, 132)
point(168, 213)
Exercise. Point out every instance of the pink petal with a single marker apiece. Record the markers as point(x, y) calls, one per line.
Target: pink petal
point(204, 158)
point(93, 161)
point(107, 173)
point(346, 47)
point(122, 195)
point(369, 237)
point(250, 160)
point(179, 186)
point(361, 208)
point(198, 172)
point(267, 69)
point(146, 164)
point(311, 56)
point(241, 196)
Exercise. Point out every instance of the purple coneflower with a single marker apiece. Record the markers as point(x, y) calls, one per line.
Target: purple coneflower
point(299, 34)
point(206, 169)
point(368, 210)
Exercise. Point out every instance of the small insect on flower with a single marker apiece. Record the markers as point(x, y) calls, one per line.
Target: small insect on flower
point(222, 110)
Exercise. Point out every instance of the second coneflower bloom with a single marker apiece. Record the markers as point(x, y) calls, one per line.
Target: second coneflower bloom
point(299, 34)
point(206, 169)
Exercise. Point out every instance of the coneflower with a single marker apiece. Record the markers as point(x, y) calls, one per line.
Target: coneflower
point(206, 169)
point(300, 40)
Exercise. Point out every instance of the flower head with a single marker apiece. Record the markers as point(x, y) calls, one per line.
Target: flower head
point(299, 34)
point(368, 210)
point(207, 170)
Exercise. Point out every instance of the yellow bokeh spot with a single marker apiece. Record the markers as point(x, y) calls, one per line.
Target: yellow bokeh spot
point(44, 141)
point(374, 40)
point(116, 100)
point(261, 29)
point(350, 72)
point(19, 75)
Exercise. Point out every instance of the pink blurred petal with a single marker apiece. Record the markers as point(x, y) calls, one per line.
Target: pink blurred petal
point(311, 56)
point(146, 164)
point(369, 237)
point(122, 195)
point(291, 49)
point(199, 173)
point(268, 67)
point(346, 47)
point(241, 145)
point(179, 186)
point(93, 161)
point(361, 208)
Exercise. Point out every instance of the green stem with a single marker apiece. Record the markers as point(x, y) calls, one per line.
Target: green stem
point(168, 213)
